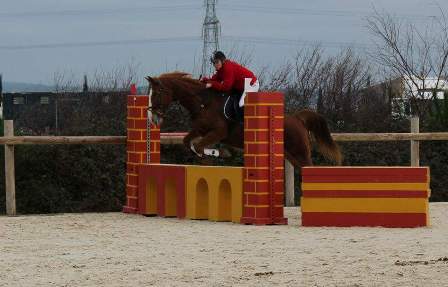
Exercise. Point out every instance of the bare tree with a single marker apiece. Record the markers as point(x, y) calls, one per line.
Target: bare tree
point(275, 78)
point(243, 55)
point(310, 70)
point(329, 83)
point(417, 54)
point(343, 79)
point(77, 113)
point(64, 81)
point(119, 78)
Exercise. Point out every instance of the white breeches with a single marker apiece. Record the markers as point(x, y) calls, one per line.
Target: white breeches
point(248, 88)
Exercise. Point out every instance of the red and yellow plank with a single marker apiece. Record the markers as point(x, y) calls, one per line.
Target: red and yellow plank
point(368, 171)
point(365, 196)
point(337, 219)
point(365, 205)
point(365, 186)
point(373, 193)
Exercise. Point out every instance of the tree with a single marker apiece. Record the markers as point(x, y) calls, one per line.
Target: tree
point(417, 54)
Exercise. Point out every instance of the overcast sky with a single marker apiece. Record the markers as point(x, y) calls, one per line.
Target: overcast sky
point(39, 38)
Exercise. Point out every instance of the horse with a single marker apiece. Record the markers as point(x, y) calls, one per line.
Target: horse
point(210, 125)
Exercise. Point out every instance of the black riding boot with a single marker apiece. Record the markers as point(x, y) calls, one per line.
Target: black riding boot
point(239, 111)
point(240, 114)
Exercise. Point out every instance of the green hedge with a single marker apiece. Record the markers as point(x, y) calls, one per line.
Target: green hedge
point(88, 178)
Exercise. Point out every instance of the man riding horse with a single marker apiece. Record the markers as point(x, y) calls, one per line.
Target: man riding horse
point(234, 79)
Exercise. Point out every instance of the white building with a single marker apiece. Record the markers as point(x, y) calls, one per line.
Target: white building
point(411, 87)
point(424, 89)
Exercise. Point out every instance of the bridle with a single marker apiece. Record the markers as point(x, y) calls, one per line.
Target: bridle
point(160, 111)
point(161, 91)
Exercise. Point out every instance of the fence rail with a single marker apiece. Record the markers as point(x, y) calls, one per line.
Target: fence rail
point(9, 140)
point(176, 138)
point(50, 140)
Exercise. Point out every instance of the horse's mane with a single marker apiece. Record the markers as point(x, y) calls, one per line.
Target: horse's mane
point(183, 79)
point(175, 74)
point(185, 83)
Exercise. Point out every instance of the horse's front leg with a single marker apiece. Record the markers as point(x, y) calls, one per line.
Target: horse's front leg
point(214, 136)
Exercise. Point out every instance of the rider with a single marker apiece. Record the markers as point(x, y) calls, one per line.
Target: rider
point(231, 77)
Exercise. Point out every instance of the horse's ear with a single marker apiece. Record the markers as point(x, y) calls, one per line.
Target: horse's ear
point(152, 80)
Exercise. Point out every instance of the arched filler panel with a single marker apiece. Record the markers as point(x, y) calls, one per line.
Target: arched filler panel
point(165, 195)
point(201, 195)
point(151, 197)
point(170, 197)
point(224, 196)
point(225, 201)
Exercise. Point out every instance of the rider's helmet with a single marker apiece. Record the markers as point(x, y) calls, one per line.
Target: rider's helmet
point(218, 55)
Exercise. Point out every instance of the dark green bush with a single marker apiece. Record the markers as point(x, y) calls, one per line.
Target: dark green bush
point(88, 178)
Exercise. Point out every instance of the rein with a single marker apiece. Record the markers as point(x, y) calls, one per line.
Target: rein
point(203, 96)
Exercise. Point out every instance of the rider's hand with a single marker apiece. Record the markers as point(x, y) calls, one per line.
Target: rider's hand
point(204, 79)
point(208, 85)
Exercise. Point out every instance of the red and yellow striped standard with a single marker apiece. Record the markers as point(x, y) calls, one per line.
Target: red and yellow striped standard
point(263, 159)
point(137, 149)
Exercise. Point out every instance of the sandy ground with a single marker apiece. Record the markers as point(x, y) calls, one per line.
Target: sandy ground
point(115, 249)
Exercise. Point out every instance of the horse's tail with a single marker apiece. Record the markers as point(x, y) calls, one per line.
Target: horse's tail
point(317, 126)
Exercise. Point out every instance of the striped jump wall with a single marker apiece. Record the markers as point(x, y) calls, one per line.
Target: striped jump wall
point(365, 196)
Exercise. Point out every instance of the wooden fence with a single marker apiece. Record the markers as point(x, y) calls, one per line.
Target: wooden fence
point(9, 140)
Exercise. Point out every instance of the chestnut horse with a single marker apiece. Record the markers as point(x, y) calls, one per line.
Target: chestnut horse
point(211, 126)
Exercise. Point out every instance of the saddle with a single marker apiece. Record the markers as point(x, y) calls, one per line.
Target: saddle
point(232, 110)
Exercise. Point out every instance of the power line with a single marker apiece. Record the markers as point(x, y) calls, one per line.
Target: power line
point(100, 43)
point(237, 8)
point(296, 42)
point(312, 12)
point(244, 39)
point(147, 9)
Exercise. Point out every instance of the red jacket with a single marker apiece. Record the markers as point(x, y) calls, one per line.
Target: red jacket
point(231, 77)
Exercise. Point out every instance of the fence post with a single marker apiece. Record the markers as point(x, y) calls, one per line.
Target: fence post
point(10, 185)
point(415, 145)
point(289, 184)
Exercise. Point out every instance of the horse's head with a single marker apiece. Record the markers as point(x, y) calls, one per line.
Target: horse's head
point(170, 87)
point(161, 97)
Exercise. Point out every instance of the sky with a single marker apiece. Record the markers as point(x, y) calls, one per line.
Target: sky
point(41, 38)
